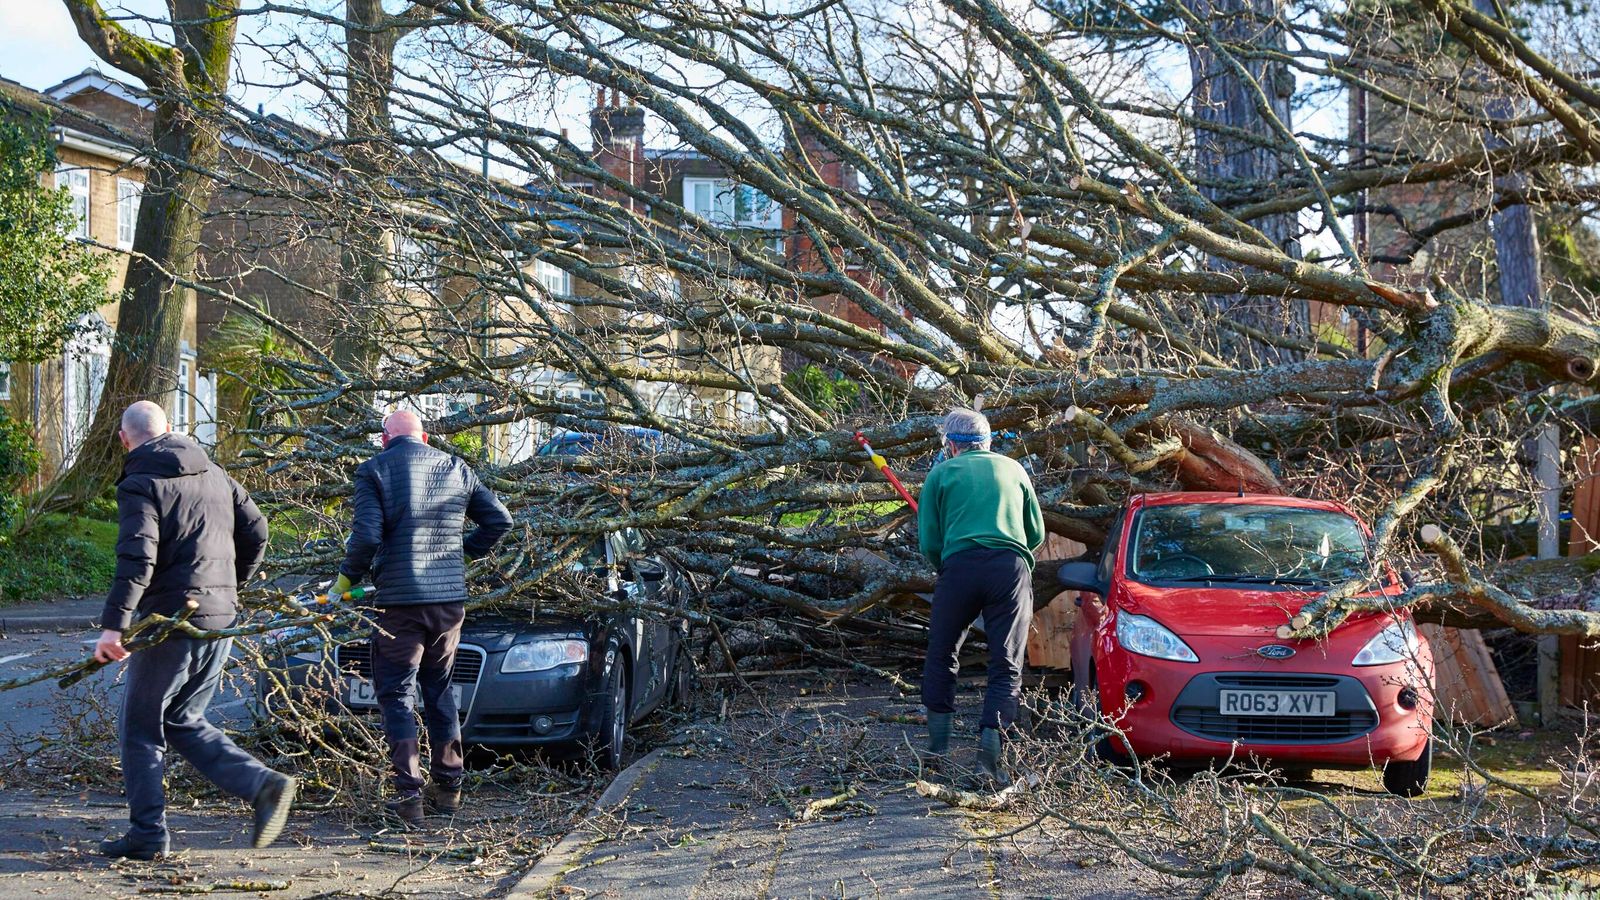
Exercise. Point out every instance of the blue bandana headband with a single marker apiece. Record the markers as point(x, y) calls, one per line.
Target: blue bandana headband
point(962, 438)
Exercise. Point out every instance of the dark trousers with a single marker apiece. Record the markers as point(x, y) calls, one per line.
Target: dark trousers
point(415, 647)
point(164, 704)
point(999, 585)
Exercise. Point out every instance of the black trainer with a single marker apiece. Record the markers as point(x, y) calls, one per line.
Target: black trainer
point(444, 799)
point(126, 848)
point(272, 805)
point(408, 808)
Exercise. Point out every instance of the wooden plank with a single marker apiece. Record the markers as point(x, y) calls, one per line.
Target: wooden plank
point(1584, 536)
point(1050, 637)
point(1468, 686)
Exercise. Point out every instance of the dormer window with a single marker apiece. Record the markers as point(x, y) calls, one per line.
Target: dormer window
point(723, 202)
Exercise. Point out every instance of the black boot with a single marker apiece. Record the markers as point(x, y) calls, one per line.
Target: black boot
point(408, 809)
point(272, 805)
point(444, 799)
point(126, 848)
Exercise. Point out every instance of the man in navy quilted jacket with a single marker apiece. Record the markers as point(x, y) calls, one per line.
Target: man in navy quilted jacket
point(411, 506)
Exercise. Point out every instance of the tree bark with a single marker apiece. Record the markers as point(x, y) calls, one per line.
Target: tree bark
point(188, 82)
point(370, 36)
point(1224, 163)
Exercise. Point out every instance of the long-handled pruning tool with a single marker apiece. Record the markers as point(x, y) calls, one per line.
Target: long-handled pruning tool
point(883, 466)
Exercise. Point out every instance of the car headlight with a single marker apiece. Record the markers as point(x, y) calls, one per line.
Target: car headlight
point(1396, 643)
point(1147, 637)
point(536, 656)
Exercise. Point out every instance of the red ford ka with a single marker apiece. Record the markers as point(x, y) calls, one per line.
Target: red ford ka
point(1176, 640)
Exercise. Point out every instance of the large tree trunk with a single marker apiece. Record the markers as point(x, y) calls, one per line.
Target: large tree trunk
point(188, 81)
point(364, 277)
point(1224, 162)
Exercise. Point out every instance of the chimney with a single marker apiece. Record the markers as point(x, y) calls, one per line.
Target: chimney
point(618, 135)
point(614, 127)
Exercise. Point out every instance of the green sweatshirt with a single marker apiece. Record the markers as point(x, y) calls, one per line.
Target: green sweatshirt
point(978, 499)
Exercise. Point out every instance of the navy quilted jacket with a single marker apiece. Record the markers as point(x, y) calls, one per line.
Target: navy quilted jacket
point(411, 504)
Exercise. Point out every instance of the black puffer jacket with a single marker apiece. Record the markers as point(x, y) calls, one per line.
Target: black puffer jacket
point(187, 531)
point(410, 505)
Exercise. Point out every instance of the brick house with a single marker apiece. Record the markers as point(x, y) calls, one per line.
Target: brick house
point(704, 187)
point(104, 174)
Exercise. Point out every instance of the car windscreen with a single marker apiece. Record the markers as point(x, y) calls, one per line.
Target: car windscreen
point(1245, 542)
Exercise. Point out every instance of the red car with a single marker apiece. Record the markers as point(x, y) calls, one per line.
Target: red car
point(1176, 639)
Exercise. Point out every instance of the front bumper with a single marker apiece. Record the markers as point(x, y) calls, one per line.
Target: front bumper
point(1179, 717)
point(529, 708)
point(522, 709)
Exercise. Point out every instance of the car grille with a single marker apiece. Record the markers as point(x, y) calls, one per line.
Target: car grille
point(1277, 682)
point(1214, 726)
point(355, 658)
point(1207, 722)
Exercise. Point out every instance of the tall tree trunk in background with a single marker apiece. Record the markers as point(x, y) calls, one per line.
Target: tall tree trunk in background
point(1222, 97)
point(364, 276)
point(188, 82)
point(1518, 261)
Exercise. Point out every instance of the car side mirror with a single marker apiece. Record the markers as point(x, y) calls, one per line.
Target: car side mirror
point(1080, 576)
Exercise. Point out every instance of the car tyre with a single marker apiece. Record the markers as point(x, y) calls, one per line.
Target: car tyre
point(1409, 779)
point(685, 678)
point(607, 751)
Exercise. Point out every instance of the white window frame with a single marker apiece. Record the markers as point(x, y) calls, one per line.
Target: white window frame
point(129, 195)
point(5, 380)
point(87, 356)
point(75, 179)
point(414, 264)
point(183, 398)
point(556, 280)
point(723, 202)
point(205, 408)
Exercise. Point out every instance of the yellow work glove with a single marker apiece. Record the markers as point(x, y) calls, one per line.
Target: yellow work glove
point(341, 586)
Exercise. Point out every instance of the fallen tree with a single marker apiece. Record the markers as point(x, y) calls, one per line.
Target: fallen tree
point(1018, 227)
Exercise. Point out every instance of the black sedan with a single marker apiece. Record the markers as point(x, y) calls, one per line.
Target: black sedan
point(551, 680)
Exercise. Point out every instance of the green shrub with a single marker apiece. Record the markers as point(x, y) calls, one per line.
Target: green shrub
point(822, 391)
point(467, 443)
point(61, 556)
point(19, 461)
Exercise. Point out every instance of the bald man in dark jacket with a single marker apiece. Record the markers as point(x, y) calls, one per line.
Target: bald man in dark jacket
point(188, 536)
point(411, 506)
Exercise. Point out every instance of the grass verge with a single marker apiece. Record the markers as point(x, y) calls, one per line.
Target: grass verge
point(61, 556)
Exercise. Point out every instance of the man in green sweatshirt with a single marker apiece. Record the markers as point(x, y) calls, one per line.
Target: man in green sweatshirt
point(979, 523)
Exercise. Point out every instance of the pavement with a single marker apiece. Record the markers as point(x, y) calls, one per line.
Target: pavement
point(72, 614)
point(727, 812)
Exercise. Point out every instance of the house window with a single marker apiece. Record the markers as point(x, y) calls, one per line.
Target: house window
point(414, 265)
point(555, 280)
point(84, 365)
point(205, 408)
point(128, 193)
point(721, 202)
point(5, 381)
point(182, 399)
point(76, 183)
point(709, 198)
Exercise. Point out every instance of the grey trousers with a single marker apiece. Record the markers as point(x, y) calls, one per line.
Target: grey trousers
point(164, 704)
point(998, 585)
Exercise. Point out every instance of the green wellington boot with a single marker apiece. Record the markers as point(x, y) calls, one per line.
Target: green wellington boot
point(939, 725)
point(989, 757)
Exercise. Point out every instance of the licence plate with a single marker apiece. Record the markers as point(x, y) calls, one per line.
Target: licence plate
point(363, 695)
point(1277, 703)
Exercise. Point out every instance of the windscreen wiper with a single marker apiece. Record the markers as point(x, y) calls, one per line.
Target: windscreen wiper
point(1269, 579)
